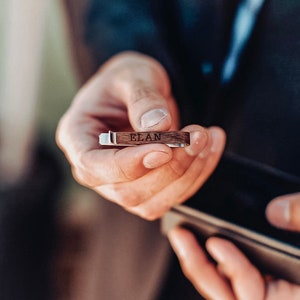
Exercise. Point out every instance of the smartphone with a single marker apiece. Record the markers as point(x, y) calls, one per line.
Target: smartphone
point(232, 205)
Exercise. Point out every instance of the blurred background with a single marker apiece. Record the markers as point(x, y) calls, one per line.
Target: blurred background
point(36, 70)
point(43, 213)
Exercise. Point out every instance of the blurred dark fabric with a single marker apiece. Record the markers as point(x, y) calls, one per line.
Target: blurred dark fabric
point(28, 231)
point(259, 108)
point(239, 191)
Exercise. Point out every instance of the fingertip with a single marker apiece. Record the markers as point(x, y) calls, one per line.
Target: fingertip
point(218, 248)
point(278, 212)
point(284, 212)
point(224, 251)
point(218, 139)
point(175, 235)
point(182, 241)
point(197, 268)
point(198, 141)
point(157, 159)
point(204, 141)
point(234, 265)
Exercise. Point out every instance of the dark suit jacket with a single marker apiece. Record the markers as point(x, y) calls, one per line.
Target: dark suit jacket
point(259, 108)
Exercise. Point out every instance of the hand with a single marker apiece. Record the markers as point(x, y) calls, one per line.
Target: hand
point(132, 92)
point(235, 277)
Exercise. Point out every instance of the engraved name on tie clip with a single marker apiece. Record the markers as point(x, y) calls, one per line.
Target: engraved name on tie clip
point(170, 138)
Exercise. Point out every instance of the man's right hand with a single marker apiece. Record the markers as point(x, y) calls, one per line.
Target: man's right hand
point(132, 92)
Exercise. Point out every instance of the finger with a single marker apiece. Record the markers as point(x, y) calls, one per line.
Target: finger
point(142, 84)
point(281, 289)
point(197, 268)
point(131, 84)
point(158, 179)
point(95, 168)
point(211, 159)
point(187, 184)
point(284, 212)
point(246, 281)
point(103, 104)
point(94, 165)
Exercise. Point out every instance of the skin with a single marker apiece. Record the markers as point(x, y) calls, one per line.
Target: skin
point(234, 277)
point(132, 92)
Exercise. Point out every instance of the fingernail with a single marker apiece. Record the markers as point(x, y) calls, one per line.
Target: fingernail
point(153, 117)
point(278, 212)
point(156, 159)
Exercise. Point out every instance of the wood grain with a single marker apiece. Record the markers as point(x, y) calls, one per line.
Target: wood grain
point(176, 138)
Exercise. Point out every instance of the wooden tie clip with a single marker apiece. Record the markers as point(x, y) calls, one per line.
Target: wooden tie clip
point(124, 139)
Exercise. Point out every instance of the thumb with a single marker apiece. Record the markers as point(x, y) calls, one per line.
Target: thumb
point(284, 212)
point(143, 86)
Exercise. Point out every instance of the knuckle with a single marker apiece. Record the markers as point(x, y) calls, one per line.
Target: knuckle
point(125, 168)
point(177, 168)
point(141, 93)
point(124, 172)
point(60, 132)
point(81, 172)
point(81, 176)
